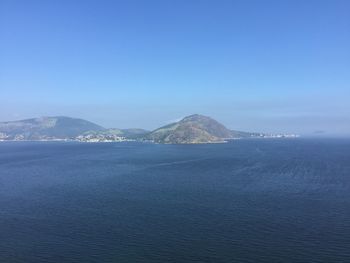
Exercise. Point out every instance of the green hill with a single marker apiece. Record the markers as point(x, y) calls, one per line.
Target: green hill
point(47, 128)
point(192, 129)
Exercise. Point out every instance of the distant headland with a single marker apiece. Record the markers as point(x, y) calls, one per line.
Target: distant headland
point(192, 129)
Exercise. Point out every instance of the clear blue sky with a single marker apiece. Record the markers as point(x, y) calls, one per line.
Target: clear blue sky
point(254, 65)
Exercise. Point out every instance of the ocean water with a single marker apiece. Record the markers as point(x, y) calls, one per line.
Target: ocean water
point(245, 201)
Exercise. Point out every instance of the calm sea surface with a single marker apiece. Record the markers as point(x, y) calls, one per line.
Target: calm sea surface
point(245, 201)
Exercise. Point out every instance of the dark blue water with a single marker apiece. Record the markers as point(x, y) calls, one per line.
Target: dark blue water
point(246, 201)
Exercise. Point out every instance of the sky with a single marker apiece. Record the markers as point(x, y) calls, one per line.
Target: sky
point(267, 66)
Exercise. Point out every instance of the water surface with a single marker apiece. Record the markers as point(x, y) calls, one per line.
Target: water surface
point(245, 201)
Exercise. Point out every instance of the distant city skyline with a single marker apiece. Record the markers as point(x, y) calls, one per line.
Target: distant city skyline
point(264, 66)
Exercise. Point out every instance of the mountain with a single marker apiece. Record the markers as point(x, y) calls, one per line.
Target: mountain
point(191, 129)
point(194, 129)
point(46, 128)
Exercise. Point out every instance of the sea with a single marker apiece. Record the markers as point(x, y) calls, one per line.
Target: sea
point(253, 200)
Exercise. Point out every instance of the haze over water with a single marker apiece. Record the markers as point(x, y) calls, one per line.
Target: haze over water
point(245, 201)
